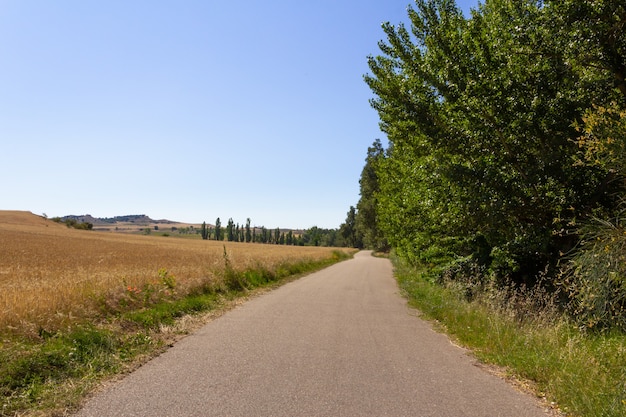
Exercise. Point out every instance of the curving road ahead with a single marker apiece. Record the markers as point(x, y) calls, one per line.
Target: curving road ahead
point(339, 342)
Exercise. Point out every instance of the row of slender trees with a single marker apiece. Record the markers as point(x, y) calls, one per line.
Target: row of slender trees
point(234, 232)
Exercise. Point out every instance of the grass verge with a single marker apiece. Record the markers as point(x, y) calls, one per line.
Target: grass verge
point(583, 373)
point(51, 375)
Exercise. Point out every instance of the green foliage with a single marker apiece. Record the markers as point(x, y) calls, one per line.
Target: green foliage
point(73, 223)
point(595, 277)
point(248, 232)
point(204, 231)
point(167, 280)
point(479, 113)
point(165, 313)
point(218, 230)
point(58, 357)
point(233, 280)
point(594, 36)
point(366, 221)
point(316, 236)
point(230, 230)
point(349, 230)
point(163, 288)
point(28, 375)
point(602, 140)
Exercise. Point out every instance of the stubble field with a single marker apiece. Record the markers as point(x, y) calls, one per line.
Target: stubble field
point(51, 276)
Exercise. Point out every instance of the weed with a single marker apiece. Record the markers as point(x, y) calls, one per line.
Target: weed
point(32, 375)
point(168, 281)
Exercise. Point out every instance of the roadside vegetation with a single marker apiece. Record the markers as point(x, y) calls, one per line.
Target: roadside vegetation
point(503, 185)
point(530, 340)
point(80, 307)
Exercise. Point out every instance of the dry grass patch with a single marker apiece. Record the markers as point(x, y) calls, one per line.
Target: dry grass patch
point(78, 307)
point(51, 275)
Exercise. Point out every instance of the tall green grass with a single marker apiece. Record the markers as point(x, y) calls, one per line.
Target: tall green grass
point(584, 373)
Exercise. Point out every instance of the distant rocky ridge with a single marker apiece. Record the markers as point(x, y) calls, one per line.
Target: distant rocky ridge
point(136, 219)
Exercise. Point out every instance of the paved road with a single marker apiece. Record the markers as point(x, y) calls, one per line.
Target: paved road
point(339, 342)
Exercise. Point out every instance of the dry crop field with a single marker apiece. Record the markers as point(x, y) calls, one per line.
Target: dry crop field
point(51, 275)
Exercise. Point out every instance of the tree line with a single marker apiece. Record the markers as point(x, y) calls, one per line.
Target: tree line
point(234, 232)
point(506, 148)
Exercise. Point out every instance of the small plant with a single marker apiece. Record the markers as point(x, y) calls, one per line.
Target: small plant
point(168, 281)
point(151, 292)
point(595, 279)
point(232, 279)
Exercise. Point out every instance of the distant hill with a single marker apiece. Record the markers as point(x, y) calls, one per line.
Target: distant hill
point(132, 223)
point(135, 219)
point(26, 218)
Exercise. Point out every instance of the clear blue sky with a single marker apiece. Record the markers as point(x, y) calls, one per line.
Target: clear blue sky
point(189, 110)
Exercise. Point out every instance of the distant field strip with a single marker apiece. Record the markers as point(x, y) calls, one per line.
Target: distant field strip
point(50, 275)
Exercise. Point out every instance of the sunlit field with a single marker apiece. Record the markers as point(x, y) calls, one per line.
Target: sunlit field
point(51, 275)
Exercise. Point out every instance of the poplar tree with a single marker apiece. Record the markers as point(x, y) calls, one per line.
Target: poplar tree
point(204, 231)
point(366, 221)
point(480, 115)
point(349, 231)
point(248, 232)
point(230, 230)
point(218, 229)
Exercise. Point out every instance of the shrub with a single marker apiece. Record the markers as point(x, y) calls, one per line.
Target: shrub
point(465, 275)
point(595, 278)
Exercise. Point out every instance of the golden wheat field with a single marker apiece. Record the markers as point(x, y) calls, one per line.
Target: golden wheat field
point(51, 275)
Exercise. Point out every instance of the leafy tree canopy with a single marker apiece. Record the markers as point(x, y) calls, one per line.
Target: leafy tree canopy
point(480, 114)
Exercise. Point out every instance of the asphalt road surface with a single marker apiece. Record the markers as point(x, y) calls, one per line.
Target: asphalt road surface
point(339, 342)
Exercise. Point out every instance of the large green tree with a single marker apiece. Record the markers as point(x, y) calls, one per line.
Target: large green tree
point(366, 222)
point(349, 231)
point(479, 114)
